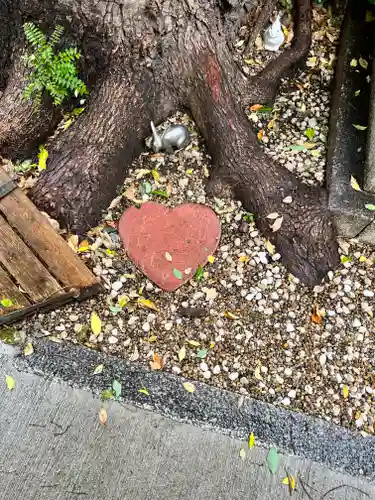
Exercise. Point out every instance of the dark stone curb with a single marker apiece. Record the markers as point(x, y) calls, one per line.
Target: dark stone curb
point(347, 145)
point(207, 407)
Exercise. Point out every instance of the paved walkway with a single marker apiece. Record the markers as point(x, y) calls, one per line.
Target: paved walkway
point(52, 446)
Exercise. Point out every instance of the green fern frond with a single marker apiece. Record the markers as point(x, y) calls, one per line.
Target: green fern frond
point(55, 73)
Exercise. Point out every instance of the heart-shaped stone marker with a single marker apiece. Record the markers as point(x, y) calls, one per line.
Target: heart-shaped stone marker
point(168, 245)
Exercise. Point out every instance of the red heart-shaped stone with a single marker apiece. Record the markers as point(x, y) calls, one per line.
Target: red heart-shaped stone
point(154, 233)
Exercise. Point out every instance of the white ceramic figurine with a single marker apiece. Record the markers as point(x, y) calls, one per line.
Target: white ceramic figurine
point(273, 35)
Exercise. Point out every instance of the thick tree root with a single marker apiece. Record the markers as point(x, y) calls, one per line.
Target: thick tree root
point(22, 128)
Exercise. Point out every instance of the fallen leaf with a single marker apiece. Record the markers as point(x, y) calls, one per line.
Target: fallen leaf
point(291, 482)
point(362, 258)
point(107, 394)
point(162, 194)
point(251, 440)
point(309, 145)
point(123, 300)
point(310, 133)
point(84, 246)
point(288, 200)
point(369, 16)
point(144, 391)
point(116, 388)
point(211, 259)
point(153, 338)
point(269, 247)
point(242, 454)
point(345, 391)
point(357, 92)
point(277, 224)
point(316, 317)
point(96, 324)
point(157, 362)
point(156, 176)
point(297, 147)
point(244, 258)
point(73, 242)
point(177, 274)
point(255, 107)
point(274, 215)
point(199, 273)
point(10, 381)
point(273, 460)
point(354, 184)
point(315, 152)
point(189, 171)
point(142, 173)
point(230, 315)
point(135, 354)
point(363, 63)
point(6, 303)
point(202, 353)
point(353, 63)
point(189, 387)
point(370, 207)
point(148, 304)
point(168, 257)
point(42, 158)
point(193, 343)
point(182, 353)
point(271, 123)
point(311, 62)
point(99, 369)
point(260, 134)
point(29, 349)
point(103, 417)
point(130, 194)
point(257, 374)
point(345, 258)
point(359, 127)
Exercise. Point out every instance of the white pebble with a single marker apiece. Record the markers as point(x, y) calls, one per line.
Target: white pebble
point(112, 339)
point(207, 374)
point(356, 323)
point(285, 402)
point(117, 285)
point(368, 293)
point(233, 376)
point(146, 327)
point(292, 394)
point(288, 372)
point(290, 327)
point(168, 326)
point(216, 370)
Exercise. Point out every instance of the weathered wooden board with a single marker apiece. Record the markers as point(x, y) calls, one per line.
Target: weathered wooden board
point(38, 268)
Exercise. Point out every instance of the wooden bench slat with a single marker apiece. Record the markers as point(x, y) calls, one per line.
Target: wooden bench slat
point(26, 269)
point(8, 290)
point(38, 233)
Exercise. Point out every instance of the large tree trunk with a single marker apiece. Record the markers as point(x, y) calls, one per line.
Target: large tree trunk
point(143, 60)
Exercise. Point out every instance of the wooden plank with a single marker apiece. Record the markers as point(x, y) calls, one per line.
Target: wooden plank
point(39, 235)
point(26, 269)
point(8, 290)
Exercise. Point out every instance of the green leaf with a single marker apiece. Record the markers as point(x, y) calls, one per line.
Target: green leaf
point(273, 460)
point(107, 394)
point(345, 258)
point(116, 388)
point(6, 303)
point(158, 192)
point(147, 188)
point(357, 92)
point(359, 127)
point(202, 353)
point(310, 133)
point(29, 349)
point(297, 147)
point(363, 63)
point(177, 274)
point(42, 158)
point(144, 391)
point(99, 369)
point(370, 207)
point(264, 109)
point(10, 381)
point(115, 309)
point(199, 273)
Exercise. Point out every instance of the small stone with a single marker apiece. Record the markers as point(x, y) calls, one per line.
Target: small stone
point(288, 372)
point(356, 323)
point(308, 389)
point(73, 317)
point(285, 402)
point(60, 328)
point(244, 227)
point(112, 339)
point(290, 327)
point(168, 326)
point(132, 320)
point(117, 285)
point(323, 359)
point(237, 242)
point(207, 374)
point(233, 376)
point(77, 328)
point(292, 394)
point(216, 370)
point(368, 293)
point(336, 410)
point(203, 366)
point(176, 369)
point(149, 286)
point(146, 327)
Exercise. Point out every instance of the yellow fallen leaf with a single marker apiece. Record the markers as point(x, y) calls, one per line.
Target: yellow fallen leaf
point(269, 247)
point(211, 259)
point(168, 256)
point(182, 353)
point(142, 173)
point(153, 338)
point(353, 63)
point(251, 440)
point(242, 454)
point(260, 134)
point(354, 184)
point(98, 369)
point(148, 304)
point(257, 374)
point(244, 258)
point(29, 349)
point(309, 145)
point(156, 176)
point(363, 63)
point(144, 391)
point(189, 387)
point(230, 315)
point(290, 481)
point(73, 242)
point(345, 391)
point(193, 343)
point(96, 324)
point(10, 381)
point(362, 258)
point(315, 152)
point(103, 417)
point(84, 246)
point(271, 123)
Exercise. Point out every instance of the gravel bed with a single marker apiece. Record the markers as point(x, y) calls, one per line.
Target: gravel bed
point(246, 325)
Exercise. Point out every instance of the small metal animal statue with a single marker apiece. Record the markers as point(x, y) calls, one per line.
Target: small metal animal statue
point(175, 137)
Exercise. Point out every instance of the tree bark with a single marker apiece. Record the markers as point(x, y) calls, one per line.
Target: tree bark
point(151, 58)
